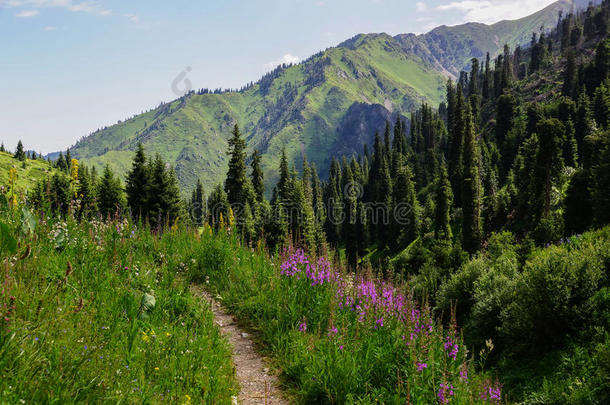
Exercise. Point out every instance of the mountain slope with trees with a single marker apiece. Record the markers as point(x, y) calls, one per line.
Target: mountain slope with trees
point(330, 104)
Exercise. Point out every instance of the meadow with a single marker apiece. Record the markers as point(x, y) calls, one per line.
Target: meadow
point(97, 312)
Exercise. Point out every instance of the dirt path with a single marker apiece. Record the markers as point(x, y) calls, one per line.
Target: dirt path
point(257, 384)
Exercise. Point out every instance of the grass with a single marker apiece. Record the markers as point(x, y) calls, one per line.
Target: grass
point(382, 347)
point(27, 176)
point(98, 313)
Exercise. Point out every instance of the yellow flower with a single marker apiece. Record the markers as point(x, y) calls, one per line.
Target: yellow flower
point(221, 222)
point(231, 218)
point(74, 169)
point(168, 334)
point(156, 368)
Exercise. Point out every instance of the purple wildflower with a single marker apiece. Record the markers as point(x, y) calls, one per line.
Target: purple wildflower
point(421, 366)
point(303, 327)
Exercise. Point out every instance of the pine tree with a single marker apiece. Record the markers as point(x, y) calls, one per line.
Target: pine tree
point(197, 204)
point(137, 185)
point(109, 194)
point(584, 123)
point(569, 75)
point(60, 194)
point(86, 195)
point(600, 191)
point(404, 219)
point(471, 188)
point(19, 153)
point(487, 79)
point(258, 180)
point(456, 146)
point(2, 149)
point(237, 185)
point(578, 209)
point(601, 105)
point(218, 205)
point(549, 163)
point(444, 197)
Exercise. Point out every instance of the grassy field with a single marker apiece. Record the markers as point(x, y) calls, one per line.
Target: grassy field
point(28, 172)
point(101, 313)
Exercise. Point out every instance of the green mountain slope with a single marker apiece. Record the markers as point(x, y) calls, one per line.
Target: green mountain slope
point(331, 103)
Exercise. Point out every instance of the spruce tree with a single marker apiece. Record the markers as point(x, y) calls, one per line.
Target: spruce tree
point(600, 191)
point(456, 145)
point(258, 180)
point(109, 194)
point(237, 184)
point(444, 197)
point(471, 188)
point(405, 209)
point(137, 185)
point(2, 149)
point(85, 194)
point(549, 163)
point(19, 153)
point(218, 205)
point(197, 204)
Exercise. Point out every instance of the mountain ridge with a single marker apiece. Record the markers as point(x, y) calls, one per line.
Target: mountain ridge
point(308, 108)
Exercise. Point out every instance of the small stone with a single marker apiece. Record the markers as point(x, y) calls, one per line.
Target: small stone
point(265, 370)
point(244, 335)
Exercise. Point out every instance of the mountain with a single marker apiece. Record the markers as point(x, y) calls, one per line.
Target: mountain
point(330, 104)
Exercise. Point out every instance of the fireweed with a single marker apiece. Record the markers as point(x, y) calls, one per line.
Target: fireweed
point(344, 338)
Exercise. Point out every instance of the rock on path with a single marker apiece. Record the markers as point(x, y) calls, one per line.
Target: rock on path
point(257, 384)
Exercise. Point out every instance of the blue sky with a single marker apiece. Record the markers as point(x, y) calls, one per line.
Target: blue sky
point(68, 67)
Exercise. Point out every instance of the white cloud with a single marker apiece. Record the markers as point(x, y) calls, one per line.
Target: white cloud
point(27, 13)
point(420, 7)
point(132, 17)
point(491, 11)
point(86, 6)
point(288, 58)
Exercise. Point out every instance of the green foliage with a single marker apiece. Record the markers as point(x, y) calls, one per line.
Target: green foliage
point(106, 319)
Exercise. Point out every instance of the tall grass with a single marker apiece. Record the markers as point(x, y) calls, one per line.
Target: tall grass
point(97, 313)
point(340, 338)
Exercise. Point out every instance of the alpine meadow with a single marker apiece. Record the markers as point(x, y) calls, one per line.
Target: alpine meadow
point(397, 219)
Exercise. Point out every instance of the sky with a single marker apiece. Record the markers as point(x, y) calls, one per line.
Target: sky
point(69, 67)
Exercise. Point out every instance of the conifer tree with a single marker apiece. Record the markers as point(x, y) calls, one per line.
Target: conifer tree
point(109, 194)
point(487, 79)
point(2, 149)
point(444, 197)
point(137, 185)
point(197, 204)
point(19, 153)
point(404, 215)
point(218, 205)
point(471, 188)
point(549, 163)
point(456, 136)
point(258, 180)
point(569, 75)
point(86, 195)
point(237, 185)
point(601, 182)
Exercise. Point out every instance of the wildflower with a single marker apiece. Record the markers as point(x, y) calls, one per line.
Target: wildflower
point(156, 368)
point(303, 327)
point(421, 366)
point(379, 322)
point(340, 347)
point(332, 331)
point(445, 391)
point(464, 373)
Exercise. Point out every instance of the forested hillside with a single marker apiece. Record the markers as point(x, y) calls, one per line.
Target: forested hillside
point(329, 105)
